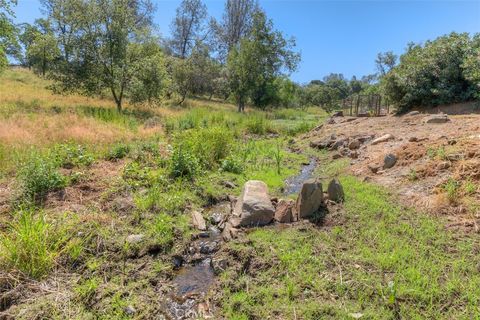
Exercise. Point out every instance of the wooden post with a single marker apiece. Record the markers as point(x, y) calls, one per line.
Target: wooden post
point(358, 104)
point(351, 105)
point(379, 104)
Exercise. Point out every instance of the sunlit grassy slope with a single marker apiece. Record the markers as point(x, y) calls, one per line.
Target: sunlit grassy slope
point(375, 260)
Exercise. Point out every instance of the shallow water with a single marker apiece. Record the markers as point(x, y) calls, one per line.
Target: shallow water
point(293, 185)
point(193, 281)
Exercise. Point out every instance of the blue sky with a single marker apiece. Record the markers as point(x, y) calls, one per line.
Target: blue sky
point(338, 36)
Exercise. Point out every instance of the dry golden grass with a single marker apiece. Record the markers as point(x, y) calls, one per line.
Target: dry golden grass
point(18, 84)
point(44, 129)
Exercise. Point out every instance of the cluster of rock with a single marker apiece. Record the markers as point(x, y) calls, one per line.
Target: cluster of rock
point(254, 207)
point(346, 146)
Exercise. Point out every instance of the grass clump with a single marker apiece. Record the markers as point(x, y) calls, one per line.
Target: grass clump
point(30, 244)
point(452, 189)
point(184, 163)
point(118, 151)
point(38, 176)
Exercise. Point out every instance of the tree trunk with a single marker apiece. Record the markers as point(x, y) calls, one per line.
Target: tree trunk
point(184, 96)
point(241, 105)
point(118, 99)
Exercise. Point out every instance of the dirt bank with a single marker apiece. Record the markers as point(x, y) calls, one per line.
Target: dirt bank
point(437, 164)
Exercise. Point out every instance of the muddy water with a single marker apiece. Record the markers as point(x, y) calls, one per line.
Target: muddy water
point(294, 184)
point(194, 280)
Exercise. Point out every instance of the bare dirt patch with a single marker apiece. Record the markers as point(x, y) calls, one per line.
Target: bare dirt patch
point(438, 164)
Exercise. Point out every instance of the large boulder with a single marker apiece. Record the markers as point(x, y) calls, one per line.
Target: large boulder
point(335, 191)
point(284, 211)
point(437, 118)
point(253, 207)
point(310, 198)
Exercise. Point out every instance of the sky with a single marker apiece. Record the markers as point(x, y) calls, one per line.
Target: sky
point(336, 36)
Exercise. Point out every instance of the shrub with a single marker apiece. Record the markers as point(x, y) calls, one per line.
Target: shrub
point(38, 176)
point(183, 163)
point(232, 164)
point(68, 156)
point(31, 245)
point(118, 151)
point(208, 145)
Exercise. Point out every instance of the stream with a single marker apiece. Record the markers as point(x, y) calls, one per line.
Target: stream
point(293, 185)
point(195, 278)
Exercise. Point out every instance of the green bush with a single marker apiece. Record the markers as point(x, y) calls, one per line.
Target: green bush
point(232, 164)
point(31, 245)
point(183, 163)
point(68, 156)
point(439, 72)
point(38, 176)
point(118, 151)
point(208, 145)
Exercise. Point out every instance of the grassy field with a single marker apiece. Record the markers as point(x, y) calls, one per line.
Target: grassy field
point(372, 260)
point(77, 178)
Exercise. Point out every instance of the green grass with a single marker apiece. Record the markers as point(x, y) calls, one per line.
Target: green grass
point(31, 245)
point(381, 260)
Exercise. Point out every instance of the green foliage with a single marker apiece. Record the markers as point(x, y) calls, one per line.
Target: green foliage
point(381, 266)
point(439, 72)
point(258, 61)
point(452, 188)
point(116, 31)
point(8, 31)
point(70, 155)
point(86, 290)
point(38, 176)
point(151, 79)
point(258, 124)
point(30, 244)
point(232, 164)
point(118, 151)
point(184, 162)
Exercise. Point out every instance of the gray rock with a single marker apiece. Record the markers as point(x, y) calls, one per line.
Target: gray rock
point(339, 143)
point(310, 198)
point(135, 238)
point(437, 118)
point(384, 138)
point(374, 168)
point(219, 265)
point(229, 184)
point(229, 232)
point(208, 247)
point(335, 191)
point(253, 207)
point(198, 221)
point(216, 218)
point(389, 161)
point(130, 310)
point(353, 154)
